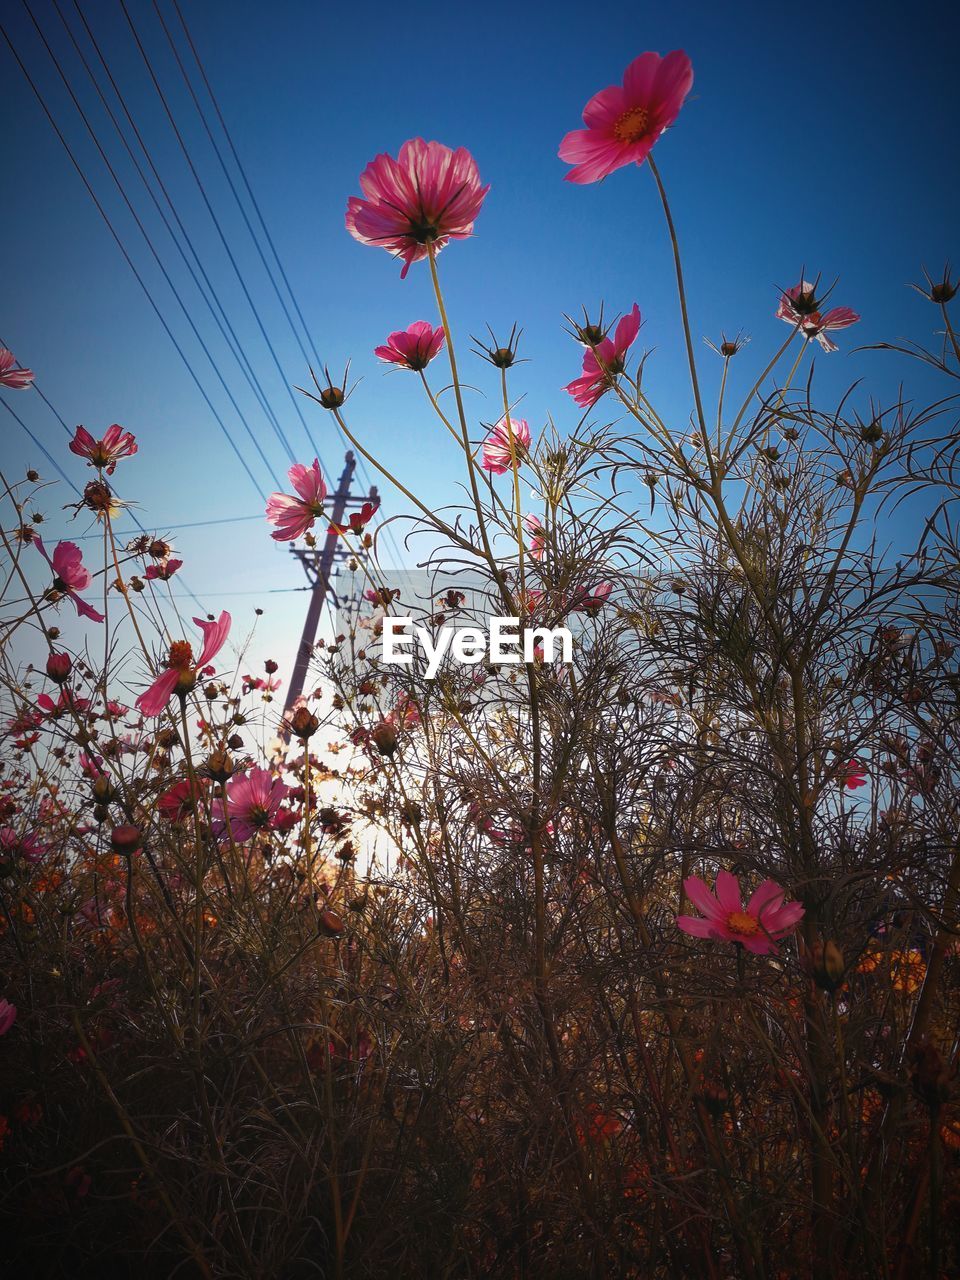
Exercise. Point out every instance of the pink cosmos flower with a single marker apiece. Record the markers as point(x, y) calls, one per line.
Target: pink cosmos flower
point(177, 804)
point(382, 596)
point(534, 526)
point(412, 348)
point(10, 375)
point(164, 571)
point(624, 122)
point(406, 714)
point(8, 1016)
point(252, 803)
point(853, 775)
point(268, 685)
point(181, 672)
point(68, 701)
point(69, 574)
point(293, 516)
point(26, 846)
point(428, 195)
point(602, 364)
point(106, 453)
point(90, 765)
point(798, 306)
point(591, 598)
point(357, 520)
point(759, 926)
point(496, 448)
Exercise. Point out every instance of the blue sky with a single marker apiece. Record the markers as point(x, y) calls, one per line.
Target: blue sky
point(813, 136)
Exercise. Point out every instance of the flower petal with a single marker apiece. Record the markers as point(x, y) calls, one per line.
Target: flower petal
point(727, 889)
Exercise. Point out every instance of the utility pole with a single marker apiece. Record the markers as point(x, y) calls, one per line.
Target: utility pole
point(318, 565)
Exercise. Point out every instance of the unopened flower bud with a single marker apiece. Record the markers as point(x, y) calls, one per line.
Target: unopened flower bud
point(828, 965)
point(100, 813)
point(125, 840)
point(332, 397)
point(943, 292)
point(58, 667)
point(102, 788)
point(330, 924)
point(270, 667)
point(234, 742)
point(219, 765)
point(33, 476)
point(384, 737)
point(304, 723)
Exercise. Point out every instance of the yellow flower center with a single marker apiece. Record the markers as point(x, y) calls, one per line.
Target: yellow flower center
point(740, 922)
point(632, 125)
point(181, 655)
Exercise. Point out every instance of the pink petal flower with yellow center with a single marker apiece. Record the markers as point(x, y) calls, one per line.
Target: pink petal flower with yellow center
point(412, 348)
point(106, 453)
point(603, 364)
point(497, 456)
point(426, 196)
point(758, 926)
point(798, 306)
point(70, 575)
point(253, 802)
point(181, 671)
point(624, 121)
point(12, 377)
point(293, 516)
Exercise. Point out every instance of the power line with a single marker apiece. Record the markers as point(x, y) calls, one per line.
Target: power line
point(221, 320)
point(256, 206)
point(187, 524)
point(143, 232)
point(217, 225)
point(236, 196)
point(267, 591)
point(43, 449)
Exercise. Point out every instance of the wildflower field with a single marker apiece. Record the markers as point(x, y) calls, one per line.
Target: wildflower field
point(642, 964)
